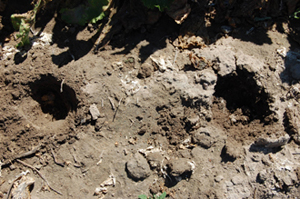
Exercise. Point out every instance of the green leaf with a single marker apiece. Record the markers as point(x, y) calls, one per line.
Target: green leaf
point(296, 14)
point(162, 196)
point(83, 14)
point(20, 24)
point(142, 196)
point(98, 18)
point(160, 4)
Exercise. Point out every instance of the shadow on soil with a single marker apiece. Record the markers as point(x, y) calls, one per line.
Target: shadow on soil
point(246, 20)
point(291, 73)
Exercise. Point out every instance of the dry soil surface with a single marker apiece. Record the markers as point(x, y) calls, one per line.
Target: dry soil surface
point(142, 116)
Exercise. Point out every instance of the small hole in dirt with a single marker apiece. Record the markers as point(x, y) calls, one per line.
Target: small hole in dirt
point(241, 91)
point(47, 92)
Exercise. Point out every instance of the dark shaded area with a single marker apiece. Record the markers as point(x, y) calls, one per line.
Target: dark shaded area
point(66, 37)
point(262, 149)
point(248, 96)
point(20, 57)
point(130, 22)
point(54, 97)
point(291, 74)
point(12, 7)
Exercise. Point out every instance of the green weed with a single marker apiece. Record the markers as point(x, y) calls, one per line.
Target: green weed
point(296, 14)
point(162, 196)
point(23, 22)
point(160, 4)
point(92, 12)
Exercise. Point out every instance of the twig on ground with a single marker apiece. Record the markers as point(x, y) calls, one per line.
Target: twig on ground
point(62, 85)
point(55, 160)
point(117, 109)
point(112, 104)
point(132, 121)
point(34, 169)
point(101, 157)
point(23, 155)
point(77, 164)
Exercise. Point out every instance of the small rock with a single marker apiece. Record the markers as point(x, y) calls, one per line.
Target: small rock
point(202, 137)
point(180, 167)
point(291, 115)
point(12, 167)
point(273, 143)
point(142, 130)
point(117, 65)
point(185, 153)
point(16, 95)
point(206, 76)
point(219, 178)
point(155, 159)
point(249, 63)
point(266, 161)
point(138, 168)
point(99, 124)
point(132, 141)
point(193, 120)
point(232, 149)
point(223, 58)
point(94, 112)
point(263, 176)
point(161, 62)
point(145, 71)
point(255, 158)
point(238, 179)
point(154, 189)
point(288, 178)
point(228, 183)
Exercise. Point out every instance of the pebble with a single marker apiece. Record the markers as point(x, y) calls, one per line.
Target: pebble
point(94, 111)
point(180, 167)
point(238, 179)
point(155, 159)
point(219, 178)
point(203, 138)
point(138, 168)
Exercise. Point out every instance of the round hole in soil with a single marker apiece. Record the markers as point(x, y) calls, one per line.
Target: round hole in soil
point(241, 91)
point(55, 98)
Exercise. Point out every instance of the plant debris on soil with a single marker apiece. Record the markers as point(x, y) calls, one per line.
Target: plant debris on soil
point(196, 99)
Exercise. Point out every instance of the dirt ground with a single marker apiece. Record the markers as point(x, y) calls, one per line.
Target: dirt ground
point(151, 112)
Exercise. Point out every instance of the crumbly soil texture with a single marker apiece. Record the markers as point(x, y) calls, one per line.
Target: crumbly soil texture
point(151, 111)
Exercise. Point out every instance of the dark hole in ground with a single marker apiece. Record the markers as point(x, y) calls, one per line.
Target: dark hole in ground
point(47, 92)
point(240, 90)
